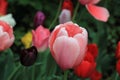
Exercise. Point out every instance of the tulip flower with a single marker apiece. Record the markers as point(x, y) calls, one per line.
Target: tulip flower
point(27, 40)
point(39, 19)
point(65, 16)
point(117, 54)
point(40, 38)
point(96, 75)
point(68, 44)
point(6, 36)
point(8, 19)
point(93, 49)
point(67, 11)
point(28, 56)
point(3, 7)
point(67, 4)
point(97, 12)
point(86, 67)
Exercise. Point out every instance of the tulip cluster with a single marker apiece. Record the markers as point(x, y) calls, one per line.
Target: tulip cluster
point(38, 39)
point(95, 11)
point(117, 55)
point(87, 68)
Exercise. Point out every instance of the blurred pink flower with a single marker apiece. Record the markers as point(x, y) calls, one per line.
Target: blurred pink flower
point(97, 12)
point(40, 38)
point(6, 36)
point(68, 44)
point(3, 7)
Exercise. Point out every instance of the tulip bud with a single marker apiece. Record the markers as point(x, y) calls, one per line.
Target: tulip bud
point(28, 56)
point(67, 4)
point(68, 44)
point(27, 40)
point(39, 19)
point(3, 7)
point(40, 38)
point(6, 36)
point(65, 16)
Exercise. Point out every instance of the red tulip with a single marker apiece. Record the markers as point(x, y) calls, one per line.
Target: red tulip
point(6, 36)
point(97, 12)
point(67, 4)
point(86, 67)
point(68, 44)
point(117, 54)
point(93, 49)
point(118, 66)
point(96, 75)
point(40, 38)
point(3, 7)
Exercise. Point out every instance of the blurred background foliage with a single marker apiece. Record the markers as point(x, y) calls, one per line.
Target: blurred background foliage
point(105, 35)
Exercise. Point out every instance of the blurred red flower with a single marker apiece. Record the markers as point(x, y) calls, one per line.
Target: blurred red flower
point(86, 67)
point(118, 66)
point(3, 7)
point(67, 4)
point(93, 49)
point(96, 75)
point(117, 55)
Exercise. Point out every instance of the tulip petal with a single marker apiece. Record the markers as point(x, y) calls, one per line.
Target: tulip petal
point(66, 51)
point(82, 40)
point(62, 32)
point(97, 12)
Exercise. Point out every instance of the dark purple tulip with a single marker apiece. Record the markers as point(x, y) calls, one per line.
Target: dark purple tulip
point(28, 56)
point(39, 18)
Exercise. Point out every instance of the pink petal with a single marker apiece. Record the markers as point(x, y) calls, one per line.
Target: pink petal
point(66, 51)
point(99, 13)
point(82, 40)
point(5, 41)
point(62, 32)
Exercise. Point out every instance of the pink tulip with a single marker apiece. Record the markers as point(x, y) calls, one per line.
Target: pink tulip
point(68, 44)
point(40, 38)
point(6, 36)
point(97, 12)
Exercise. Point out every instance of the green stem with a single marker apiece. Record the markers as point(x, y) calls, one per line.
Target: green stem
point(14, 71)
point(33, 72)
point(75, 11)
point(65, 75)
point(57, 14)
point(116, 77)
